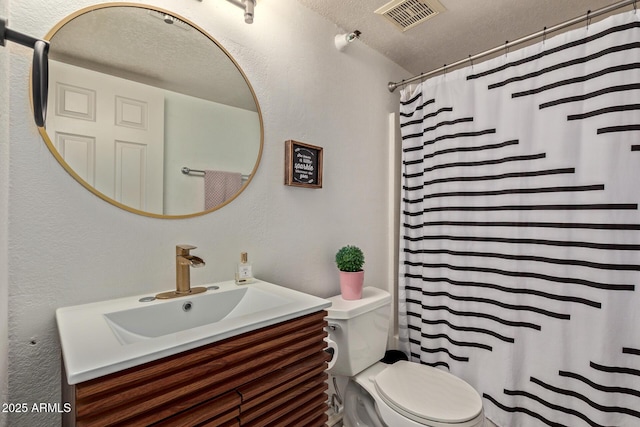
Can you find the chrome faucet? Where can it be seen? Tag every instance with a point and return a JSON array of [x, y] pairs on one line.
[[184, 262]]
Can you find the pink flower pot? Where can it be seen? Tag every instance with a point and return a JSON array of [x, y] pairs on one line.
[[351, 284]]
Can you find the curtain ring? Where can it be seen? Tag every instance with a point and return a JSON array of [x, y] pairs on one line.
[[444, 70], [635, 6], [471, 61], [588, 18], [544, 35], [506, 48]]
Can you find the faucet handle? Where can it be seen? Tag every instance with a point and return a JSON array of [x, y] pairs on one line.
[[184, 249]]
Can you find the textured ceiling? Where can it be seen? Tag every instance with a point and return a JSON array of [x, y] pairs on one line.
[[466, 28]]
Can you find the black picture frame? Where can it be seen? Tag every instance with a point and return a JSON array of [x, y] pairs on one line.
[[302, 164]]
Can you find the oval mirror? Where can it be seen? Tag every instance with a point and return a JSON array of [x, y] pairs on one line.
[[149, 112]]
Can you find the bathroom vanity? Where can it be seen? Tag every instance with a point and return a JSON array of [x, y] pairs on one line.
[[266, 375]]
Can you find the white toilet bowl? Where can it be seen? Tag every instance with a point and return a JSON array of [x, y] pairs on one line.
[[411, 395], [403, 394]]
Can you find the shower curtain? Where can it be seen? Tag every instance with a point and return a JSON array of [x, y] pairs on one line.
[[520, 234]]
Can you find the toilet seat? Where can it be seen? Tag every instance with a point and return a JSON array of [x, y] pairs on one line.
[[427, 395]]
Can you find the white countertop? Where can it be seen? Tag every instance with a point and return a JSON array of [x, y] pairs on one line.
[[91, 349]]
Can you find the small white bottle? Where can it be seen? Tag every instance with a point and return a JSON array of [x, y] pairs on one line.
[[244, 273]]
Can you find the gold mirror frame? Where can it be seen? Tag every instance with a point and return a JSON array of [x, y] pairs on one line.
[[51, 146]]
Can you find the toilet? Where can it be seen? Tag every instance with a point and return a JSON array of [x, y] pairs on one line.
[[402, 394]]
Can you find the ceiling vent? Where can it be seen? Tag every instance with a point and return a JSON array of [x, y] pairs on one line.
[[406, 14]]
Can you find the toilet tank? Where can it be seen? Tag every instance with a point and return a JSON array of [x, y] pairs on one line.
[[360, 329]]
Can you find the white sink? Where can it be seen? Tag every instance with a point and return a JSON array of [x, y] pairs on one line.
[[180, 314], [105, 337]]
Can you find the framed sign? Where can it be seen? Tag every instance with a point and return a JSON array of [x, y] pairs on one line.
[[302, 164]]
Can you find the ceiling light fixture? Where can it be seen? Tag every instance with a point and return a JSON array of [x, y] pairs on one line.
[[343, 40], [168, 19], [248, 6]]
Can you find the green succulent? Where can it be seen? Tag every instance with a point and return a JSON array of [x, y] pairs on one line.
[[350, 258]]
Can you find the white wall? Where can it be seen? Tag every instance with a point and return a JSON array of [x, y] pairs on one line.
[[4, 194], [203, 135], [66, 246]]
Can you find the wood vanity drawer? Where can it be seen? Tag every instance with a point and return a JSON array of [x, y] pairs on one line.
[[288, 409], [216, 380], [292, 390], [217, 411]]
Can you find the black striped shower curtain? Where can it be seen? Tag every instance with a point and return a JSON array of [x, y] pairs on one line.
[[520, 234]]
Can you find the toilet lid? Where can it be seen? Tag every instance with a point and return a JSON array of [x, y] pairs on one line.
[[423, 393]]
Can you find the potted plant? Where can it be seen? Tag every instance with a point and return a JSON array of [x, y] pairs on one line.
[[350, 260]]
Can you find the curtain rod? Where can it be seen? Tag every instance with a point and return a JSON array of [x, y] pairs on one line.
[[392, 86]]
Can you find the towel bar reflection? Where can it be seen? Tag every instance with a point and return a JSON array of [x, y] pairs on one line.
[[189, 171]]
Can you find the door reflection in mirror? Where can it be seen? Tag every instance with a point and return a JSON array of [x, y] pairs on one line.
[[133, 99]]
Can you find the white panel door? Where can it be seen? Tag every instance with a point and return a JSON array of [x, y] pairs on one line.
[[111, 132], [79, 152]]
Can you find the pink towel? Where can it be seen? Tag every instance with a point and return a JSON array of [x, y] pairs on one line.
[[220, 186]]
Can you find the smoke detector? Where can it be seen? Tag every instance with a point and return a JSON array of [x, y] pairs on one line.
[[406, 14]]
